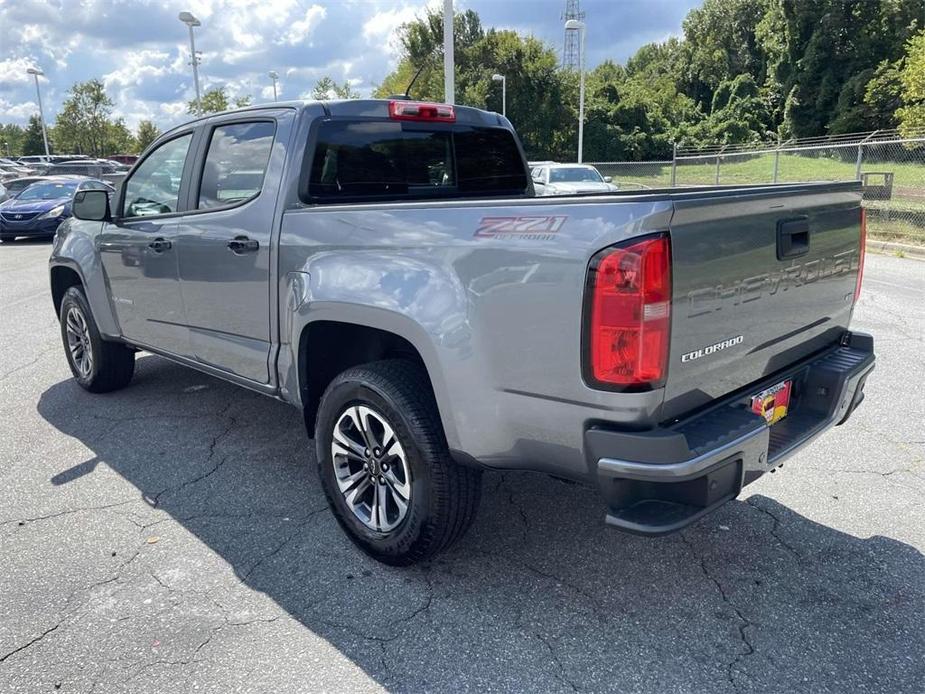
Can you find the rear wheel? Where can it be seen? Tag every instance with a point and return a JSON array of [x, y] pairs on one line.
[[98, 365], [385, 467]]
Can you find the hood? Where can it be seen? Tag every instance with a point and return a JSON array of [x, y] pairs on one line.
[[33, 206], [568, 187]]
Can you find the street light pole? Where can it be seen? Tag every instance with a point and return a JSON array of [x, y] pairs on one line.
[[449, 60], [503, 80], [580, 26], [35, 72], [190, 21], [274, 75]]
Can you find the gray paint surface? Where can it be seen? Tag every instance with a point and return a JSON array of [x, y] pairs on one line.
[[495, 312]]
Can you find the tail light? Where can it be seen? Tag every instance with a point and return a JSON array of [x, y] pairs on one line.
[[857, 287], [419, 110], [628, 314]]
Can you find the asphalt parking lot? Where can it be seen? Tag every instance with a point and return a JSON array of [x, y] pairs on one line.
[[172, 537]]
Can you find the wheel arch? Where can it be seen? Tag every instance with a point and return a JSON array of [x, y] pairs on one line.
[[63, 277], [328, 347]]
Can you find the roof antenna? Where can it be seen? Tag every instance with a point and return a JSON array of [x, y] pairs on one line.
[[414, 79]]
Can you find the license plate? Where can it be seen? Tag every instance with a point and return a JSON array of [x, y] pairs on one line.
[[772, 404]]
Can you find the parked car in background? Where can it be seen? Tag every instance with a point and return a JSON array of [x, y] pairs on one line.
[[126, 159], [103, 169], [38, 209], [4, 192], [11, 165], [569, 179], [87, 167], [7, 173], [15, 186]]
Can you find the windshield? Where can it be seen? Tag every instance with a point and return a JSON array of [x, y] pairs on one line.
[[574, 174], [48, 191]]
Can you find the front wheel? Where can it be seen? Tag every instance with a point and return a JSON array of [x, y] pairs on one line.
[[385, 467], [98, 365]]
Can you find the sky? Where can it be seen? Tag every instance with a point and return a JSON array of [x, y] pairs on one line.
[[140, 49]]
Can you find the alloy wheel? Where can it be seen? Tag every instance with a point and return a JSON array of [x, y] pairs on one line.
[[371, 468], [78, 341]]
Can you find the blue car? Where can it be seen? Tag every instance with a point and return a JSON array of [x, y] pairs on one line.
[[38, 209]]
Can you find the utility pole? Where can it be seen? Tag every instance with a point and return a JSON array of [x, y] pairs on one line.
[[35, 72], [503, 80], [449, 60], [579, 26], [190, 21]]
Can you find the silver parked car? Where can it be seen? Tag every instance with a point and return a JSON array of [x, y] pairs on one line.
[[569, 179]]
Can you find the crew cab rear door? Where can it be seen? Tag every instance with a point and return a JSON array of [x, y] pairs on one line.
[[761, 279], [224, 241]]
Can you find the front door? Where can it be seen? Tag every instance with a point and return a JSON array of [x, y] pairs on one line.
[[139, 253], [224, 249]]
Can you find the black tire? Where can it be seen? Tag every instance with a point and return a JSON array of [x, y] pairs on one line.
[[112, 363], [444, 495]]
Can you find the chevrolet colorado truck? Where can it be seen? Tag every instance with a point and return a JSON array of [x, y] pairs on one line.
[[386, 267]]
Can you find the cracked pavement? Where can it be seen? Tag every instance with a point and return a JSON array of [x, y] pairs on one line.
[[173, 537]]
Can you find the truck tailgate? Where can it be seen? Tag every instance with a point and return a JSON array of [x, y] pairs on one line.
[[761, 279]]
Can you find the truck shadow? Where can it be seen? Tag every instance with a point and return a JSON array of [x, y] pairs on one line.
[[540, 596]]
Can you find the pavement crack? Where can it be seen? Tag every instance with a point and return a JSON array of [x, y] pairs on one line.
[[232, 423], [411, 616], [774, 529], [548, 576], [279, 547], [748, 647], [19, 368], [58, 514], [29, 643]]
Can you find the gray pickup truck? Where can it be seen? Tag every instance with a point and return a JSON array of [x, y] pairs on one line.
[[386, 267]]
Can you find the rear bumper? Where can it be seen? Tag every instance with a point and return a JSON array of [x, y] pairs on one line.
[[659, 481]]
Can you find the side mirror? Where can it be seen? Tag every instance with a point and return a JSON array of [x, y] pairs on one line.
[[92, 205], [608, 179]]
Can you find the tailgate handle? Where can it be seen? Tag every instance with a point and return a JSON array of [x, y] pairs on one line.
[[792, 238]]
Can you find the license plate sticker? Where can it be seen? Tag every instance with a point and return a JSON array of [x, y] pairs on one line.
[[773, 403]]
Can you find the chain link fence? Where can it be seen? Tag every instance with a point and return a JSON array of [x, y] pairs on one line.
[[890, 167]]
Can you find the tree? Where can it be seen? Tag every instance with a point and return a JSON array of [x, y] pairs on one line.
[[215, 100], [912, 113], [32, 141], [816, 51], [326, 88], [11, 139], [883, 95], [119, 139], [146, 134], [83, 125]]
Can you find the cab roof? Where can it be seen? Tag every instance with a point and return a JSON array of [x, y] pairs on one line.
[[357, 108]]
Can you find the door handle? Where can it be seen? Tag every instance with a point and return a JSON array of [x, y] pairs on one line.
[[792, 238], [159, 245], [242, 244]]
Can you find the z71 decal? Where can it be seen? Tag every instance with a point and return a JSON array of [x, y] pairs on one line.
[[529, 227]]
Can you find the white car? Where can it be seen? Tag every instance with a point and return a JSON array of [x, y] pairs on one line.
[[567, 179]]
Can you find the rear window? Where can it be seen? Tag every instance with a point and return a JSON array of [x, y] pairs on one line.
[[375, 160]]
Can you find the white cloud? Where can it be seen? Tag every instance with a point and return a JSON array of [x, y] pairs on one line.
[[303, 28], [382, 28], [13, 71], [19, 112]]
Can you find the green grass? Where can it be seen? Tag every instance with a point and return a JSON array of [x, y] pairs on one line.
[[908, 199], [792, 168]]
